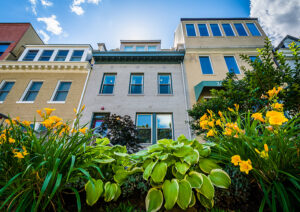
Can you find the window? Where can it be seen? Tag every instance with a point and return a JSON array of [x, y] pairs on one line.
[[140, 48], [253, 58], [136, 84], [4, 90], [151, 48], [62, 91], [46, 55], [3, 47], [205, 65], [128, 48], [190, 30], [32, 91], [164, 86], [203, 30], [98, 119], [164, 126], [215, 30], [240, 29], [228, 30], [144, 127], [108, 83], [231, 65], [30, 55], [61, 55], [253, 29], [77, 55]]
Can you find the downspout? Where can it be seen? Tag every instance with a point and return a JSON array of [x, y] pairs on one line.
[[83, 91], [185, 99]]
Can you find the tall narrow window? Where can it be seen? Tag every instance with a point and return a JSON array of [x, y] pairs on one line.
[[5, 89], [140, 48], [32, 91], [164, 81], [164, 126], [77, 55], [128, 48], [136, 84], [108, 84], [240, 29], [151, 48], [203, 30], [253, 29], [3, 47], [61, 55], [98, 119], [215, 30], [144, 127], [46, 55], [228, 30], [62, 91], [190, 30], [30, 55], [205, 65], [232, 65]]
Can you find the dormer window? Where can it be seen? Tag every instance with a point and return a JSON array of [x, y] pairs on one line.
[[3, 47], [128, 48], [30, 55], [77, 55], [140, 48], [152, 48], [46, 55], [61, 55]]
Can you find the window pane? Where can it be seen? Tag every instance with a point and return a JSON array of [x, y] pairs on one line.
[[215, 29], [164, 121], [78, 53], [144, 135], [190, 29], [109, 79], [61, 55], [4, 46], [140, 48], [144, 121], [240, 29], [228, 30], [164, 79], [7, 86], [253, 58], [136, 89], [60, 96], [231, 65], [30, 96], [165, 89], [205, 65], [252, 28], [108, 89], [30, 55], [203, 30], [128, 48], [3, 95], [35, 86], [136, 79], [64, 86], [164, 134], [151, 48]]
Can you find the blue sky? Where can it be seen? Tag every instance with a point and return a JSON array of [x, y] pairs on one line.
[[108, 21]]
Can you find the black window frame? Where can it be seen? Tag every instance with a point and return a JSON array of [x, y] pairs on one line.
[[104, 84]]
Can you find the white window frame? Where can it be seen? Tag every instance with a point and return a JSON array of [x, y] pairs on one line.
[[212, 67], [235, 62], [2, 84], [102, 84], [219, 29], [72, 52], [42, 51], [26, 52], [194, 29], [55, 90], [158, 82], [136, 121], [231, 29], [209, 34], [143, 85], [26, 90], [156, 122]]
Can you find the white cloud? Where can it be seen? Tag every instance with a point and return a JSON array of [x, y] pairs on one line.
[[46, 3], [46, 37], [52, 25], [77, 8], [277, 17], [33, 6]]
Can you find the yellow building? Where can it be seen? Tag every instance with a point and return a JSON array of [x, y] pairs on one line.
[[212, 49], [45, 76]]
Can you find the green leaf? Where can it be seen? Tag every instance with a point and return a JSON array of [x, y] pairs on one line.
[[208, 203], [193, 200], [219, 178], [155, 148], [111, 190], [154, 200], [159, 172], [206, 165], [183, 139], [207, 188], [195, 179], [148, 170], [182, 167], [185, 194], [102, 141], [205, 152], [118, 192], [170, 190], [93, 191], [177, 174], [192, 158], [183, 151], [165, 141], [104, 160]]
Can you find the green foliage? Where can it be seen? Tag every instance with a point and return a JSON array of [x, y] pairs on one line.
[[135, 184], [263, 75]]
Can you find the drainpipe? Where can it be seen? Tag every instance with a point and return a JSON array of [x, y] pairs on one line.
[[83, 91], [185, 99]]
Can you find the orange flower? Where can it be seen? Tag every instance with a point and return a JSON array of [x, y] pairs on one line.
[[218, 122], [230, 109], [236, 159], [276, 118], [236, 107], [204, 117], [82, 108], [220, 114], [83, 130], [245, 166], [277, 106], [40, 113], [26, 123], [49, 111], [210, 133], [258, 116]]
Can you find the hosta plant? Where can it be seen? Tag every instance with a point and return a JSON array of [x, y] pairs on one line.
[[180, 172]]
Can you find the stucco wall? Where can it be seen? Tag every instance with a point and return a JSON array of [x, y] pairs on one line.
[[123, 103]]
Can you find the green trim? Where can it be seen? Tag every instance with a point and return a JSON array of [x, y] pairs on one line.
[[154, 128], [199, 87]]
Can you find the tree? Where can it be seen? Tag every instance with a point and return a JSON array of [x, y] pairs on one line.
[[122, 131], [263, 75]]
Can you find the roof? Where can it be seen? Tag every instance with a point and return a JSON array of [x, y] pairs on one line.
[[122, 57], [286, 37], [215, 19], [140, 41]]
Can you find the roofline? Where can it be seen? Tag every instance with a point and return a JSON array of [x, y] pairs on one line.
[[215, 19], [287, 36], [140, 41], [58, 45], [15, 23]]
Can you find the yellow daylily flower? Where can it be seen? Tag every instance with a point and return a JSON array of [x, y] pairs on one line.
[[236, 159], [83, 130], [257, 116], [246, 166], [276, 118], [210, 133], [49, 111]]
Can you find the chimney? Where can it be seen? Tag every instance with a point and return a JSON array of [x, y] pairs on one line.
[[102, 47]]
